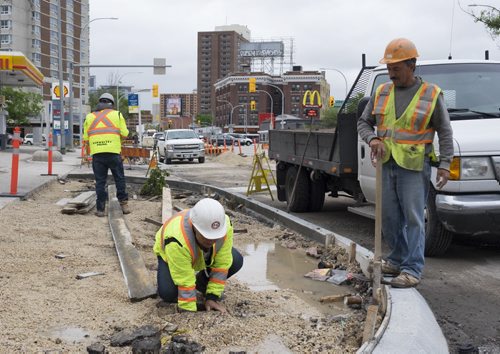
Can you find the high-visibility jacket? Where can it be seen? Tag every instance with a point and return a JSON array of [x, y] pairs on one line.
[[103, 129], [176, 245], [405, 137]]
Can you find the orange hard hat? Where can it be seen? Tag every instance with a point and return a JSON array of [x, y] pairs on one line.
[[399, 49]]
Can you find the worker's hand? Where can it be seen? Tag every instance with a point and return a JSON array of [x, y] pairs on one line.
[[214, 305], [378, 148], [442, 177]]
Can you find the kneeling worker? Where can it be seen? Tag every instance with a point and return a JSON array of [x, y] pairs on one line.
[[199, 240]]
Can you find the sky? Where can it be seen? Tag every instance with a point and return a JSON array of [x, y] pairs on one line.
[[327, 34]]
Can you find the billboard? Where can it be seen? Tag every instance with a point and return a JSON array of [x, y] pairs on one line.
[[174, 107], [261, 49]]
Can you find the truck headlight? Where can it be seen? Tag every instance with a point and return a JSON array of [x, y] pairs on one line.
[[170, 147], [202, 146], [476, 168]]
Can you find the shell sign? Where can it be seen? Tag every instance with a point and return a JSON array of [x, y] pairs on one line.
[[56, 91]]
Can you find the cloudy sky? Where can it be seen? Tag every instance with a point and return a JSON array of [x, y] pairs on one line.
[[327, 33]]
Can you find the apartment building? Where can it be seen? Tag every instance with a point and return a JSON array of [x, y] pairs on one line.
[[32, 27], [188, 101], [217, 58]]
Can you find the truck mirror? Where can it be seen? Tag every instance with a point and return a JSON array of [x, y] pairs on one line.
[[361, 106]]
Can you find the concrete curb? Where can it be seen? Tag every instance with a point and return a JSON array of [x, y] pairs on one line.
[[409, 325]]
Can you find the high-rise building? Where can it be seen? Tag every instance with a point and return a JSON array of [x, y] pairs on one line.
[[217, 58], [32, 27], [189, 104]]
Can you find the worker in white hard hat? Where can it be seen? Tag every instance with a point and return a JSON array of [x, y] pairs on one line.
[[195, 253], [407, 113], [103, 130]]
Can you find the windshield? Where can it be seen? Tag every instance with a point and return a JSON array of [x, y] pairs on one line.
[[183, 134], [473, 87]]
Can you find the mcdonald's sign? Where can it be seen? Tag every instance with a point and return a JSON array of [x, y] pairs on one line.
[[311, 103]]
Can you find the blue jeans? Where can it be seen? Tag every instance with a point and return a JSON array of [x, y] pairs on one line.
[[168, 290], [404, 194], [100, 165]]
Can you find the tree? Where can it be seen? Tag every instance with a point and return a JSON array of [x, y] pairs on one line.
[[21, 105], [329, 117], [94, 99], [204, 120], [489, 16]]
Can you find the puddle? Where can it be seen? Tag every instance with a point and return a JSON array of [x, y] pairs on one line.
[[270, 266], [71, 334]]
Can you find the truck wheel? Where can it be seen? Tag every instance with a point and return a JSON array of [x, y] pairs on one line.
[[299, 202], [248, 143], [317, 197], [190, 159], [201, 159], [281, 181], [437, 238], [168, 161]]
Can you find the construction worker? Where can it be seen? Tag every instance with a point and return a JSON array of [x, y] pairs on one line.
[[103, 130], [407, 112], [195, 253]]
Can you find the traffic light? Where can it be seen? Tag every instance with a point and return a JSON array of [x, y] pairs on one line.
[[331, 101], [253, 105], [252, 84], [155, 90]]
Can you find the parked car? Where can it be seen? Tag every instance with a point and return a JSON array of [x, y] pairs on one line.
[[180, 144], [220, 139], [28, 139], [242, 138]]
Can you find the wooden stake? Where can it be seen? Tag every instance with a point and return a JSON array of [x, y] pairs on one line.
[[370, 322]]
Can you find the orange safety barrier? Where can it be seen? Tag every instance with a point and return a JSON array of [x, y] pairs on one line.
[[254, 146], [239, 147], [225, 147], [15, 160], [135, 152], [232, 147]]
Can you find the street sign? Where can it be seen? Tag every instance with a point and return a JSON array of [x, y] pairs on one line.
[[133, 103], [159, 66]]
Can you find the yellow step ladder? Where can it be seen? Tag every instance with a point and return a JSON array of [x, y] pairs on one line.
[[261, 177]]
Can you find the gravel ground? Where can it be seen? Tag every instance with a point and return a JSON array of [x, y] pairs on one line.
[[45, 308]]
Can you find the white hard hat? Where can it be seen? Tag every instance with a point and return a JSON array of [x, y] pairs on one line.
[[107, 96], [209, 218]]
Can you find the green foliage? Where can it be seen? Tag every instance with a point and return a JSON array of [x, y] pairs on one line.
[[490, 17], [155, 183], [352, 104], [329, 118], [204, 119], [21, 105]]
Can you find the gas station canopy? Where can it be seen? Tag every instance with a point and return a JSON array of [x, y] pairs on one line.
[[17, 70]]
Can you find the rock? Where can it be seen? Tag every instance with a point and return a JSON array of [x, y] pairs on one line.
[[146, 346], [96, 348], [42, 155], [312, 252], [127, 336], [181, 344], [170, 327]]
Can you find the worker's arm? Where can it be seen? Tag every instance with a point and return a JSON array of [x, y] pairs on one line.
[[123, 126], [366, 130], [441, 122], [182, 273], [219, 269]]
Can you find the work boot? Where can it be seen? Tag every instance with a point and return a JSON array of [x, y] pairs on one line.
[[387, 269], [99, 213], [404, 280], [125, 207]]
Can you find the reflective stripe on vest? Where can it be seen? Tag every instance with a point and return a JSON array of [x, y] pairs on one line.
[[218, 275], [186, 294], [109, 127], [416, 131]]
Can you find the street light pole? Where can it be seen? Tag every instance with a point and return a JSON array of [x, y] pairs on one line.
[[282, 98], [345, 79], [272, 110], [80, 61]]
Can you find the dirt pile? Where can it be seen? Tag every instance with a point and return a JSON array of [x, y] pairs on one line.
[[45, 307]]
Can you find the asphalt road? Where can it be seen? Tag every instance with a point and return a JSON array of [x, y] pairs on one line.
[[462, 287]]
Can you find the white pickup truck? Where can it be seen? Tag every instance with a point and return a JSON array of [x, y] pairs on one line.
[[339, 161], [180, 144]]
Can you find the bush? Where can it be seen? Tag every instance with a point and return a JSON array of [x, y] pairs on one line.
[[155, 183]]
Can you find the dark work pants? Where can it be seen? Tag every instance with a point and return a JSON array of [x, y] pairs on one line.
[[100, 165], [168, 290]]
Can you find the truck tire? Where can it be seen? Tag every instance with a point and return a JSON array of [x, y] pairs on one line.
[[437, 238], [160, 158], [300, 201], [201, 159], [317, 195], [281, 181], [168, 161]]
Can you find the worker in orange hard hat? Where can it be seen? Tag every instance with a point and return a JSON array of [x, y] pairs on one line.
[[407, 113]]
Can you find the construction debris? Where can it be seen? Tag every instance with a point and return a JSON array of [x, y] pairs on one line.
[[88, 275], [333, 298], [81, 204]]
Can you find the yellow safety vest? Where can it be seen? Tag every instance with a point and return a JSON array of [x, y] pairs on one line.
[[405, 137], [103, 130], [176, 245]]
